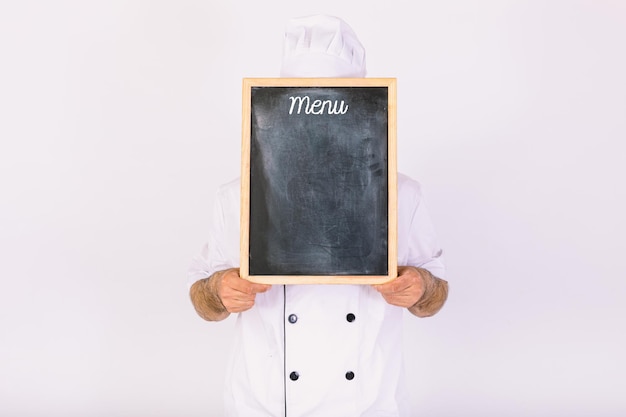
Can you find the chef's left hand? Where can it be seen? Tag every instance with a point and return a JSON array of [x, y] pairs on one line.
[[406, 289]]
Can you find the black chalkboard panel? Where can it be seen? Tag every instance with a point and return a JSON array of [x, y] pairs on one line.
[[318, 181]]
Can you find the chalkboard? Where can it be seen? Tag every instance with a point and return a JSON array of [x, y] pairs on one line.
[[319, 180]]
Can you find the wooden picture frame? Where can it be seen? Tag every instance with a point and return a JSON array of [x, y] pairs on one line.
[[319, 181]]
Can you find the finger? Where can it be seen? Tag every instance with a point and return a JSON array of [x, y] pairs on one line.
[[399, 284], [404, 299], [259, 288], [384, 289], [233, 281], [407, 270], [403, 284], [235, 301], [409, 277], [240, 306], [243, 285], [236, 295], [404, 295]]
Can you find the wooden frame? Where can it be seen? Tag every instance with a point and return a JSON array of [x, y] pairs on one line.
[[271, 255]]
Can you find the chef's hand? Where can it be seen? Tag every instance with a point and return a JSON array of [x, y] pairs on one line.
[[237, 294], [405, 290], [224, 292], [416, 289]]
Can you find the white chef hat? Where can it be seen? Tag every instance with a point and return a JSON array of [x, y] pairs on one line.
[[321, 46]]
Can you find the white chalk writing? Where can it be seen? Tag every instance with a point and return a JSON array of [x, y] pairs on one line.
[[308, 106]]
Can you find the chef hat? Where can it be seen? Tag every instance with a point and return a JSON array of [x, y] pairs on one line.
[[321, 46]]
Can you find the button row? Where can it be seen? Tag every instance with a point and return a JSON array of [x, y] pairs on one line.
[[293, 318], [294, 376]]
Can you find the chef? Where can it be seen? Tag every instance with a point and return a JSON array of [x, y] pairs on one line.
[[318, 350]]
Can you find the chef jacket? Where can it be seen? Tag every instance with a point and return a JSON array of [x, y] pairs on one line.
[[318, 350]]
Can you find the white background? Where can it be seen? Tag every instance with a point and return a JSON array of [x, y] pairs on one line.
[[118, 120]]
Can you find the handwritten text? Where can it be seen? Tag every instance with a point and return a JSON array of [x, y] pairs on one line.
[[305, 105]]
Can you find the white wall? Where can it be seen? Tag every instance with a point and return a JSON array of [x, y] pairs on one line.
[[118, 119]]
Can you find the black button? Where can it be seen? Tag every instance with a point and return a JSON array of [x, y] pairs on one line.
[[350, 317], [349, 375], [293, 318], [294, 376]]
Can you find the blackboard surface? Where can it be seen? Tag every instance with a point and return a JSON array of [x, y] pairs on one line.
[[317, 190]]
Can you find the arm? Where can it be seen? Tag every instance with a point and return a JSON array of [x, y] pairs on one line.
[[419, 286], [416, 289], [224, 292]]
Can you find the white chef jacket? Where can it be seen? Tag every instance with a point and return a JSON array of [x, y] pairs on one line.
[[318, 350]]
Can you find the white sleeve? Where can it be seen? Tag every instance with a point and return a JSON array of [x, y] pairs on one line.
[[418, 243], [222, 248], [424, 248]]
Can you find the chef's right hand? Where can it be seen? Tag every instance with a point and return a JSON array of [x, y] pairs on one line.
[[238, 294]]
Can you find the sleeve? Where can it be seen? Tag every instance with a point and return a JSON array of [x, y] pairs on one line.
[[423, 248], [221, 249]]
